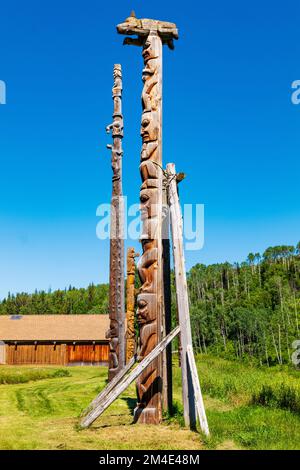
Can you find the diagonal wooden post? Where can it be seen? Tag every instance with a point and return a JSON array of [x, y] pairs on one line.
[[90, 415], [191, 392]]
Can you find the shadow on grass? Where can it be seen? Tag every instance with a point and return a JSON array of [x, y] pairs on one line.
[[131, 403]]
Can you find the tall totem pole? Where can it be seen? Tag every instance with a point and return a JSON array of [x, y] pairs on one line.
[[116, 332], [151, 35]]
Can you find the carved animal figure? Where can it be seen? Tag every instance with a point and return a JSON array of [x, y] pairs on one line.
[[142, 28]]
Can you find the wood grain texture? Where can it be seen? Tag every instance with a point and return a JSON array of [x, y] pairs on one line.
[[36, 354], [197, 391], [151, 35], [191, 392], [116, 332], [88, 353], [59, 354], [150, 297], [130, 301], [167, 392]]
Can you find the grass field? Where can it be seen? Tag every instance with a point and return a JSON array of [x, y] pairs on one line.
[[247, 408]]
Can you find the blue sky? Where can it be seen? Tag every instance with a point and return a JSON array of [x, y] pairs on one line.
[[229, 124]]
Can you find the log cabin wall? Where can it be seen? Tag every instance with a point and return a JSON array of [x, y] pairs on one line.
[[36, 354], [87, 354], [59, 354], [2, 353]]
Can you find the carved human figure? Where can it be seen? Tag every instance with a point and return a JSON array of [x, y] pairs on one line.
[[113, 336], [149, 126], [147, 266], [149, 213], [147, 320]]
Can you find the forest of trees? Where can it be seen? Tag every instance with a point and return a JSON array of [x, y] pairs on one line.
[[248, 309], [92, 300], [237, 310]]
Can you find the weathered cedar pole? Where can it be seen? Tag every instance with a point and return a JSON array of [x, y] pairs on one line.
[[191, 392], [167, 394], [116, 333], [151, 35], [130, 301]]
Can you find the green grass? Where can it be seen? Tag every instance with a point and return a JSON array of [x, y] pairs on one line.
[[247, 408], [236, 411], [18, 375]]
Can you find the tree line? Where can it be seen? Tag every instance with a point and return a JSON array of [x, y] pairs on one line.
[[90, 300], [248, 309], [242, 310]]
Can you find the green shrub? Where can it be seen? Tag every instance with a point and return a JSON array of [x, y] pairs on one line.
[[284, 397], [61, 373]]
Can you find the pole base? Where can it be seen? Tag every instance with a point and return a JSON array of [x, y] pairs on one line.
[[146, 415]]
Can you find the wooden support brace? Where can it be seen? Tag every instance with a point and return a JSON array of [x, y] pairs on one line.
[[113, 394], [191, 392], [197, 391]]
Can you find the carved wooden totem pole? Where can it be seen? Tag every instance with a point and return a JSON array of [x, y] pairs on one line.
[[116, 332], [130, 291], [158, 194], [151, 35]]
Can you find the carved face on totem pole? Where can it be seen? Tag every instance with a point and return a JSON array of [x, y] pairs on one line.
[[149, 203], [113, 335], [117, 74], [146, 311], [148, 50], [149, 127], [149, 212], [117, 128]]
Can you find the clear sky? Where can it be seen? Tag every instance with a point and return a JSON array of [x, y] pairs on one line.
[[229, 124]]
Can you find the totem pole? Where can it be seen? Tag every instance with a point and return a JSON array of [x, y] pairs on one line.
[[130, 291], [116, 332], [151, 35]]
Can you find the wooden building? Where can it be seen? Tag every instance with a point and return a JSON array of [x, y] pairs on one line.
[[54, 339]]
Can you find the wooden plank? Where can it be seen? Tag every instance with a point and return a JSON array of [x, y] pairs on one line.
[[190, 389], [167, 392], [188, 398], [197, 390], [40, 354], [127, 380]]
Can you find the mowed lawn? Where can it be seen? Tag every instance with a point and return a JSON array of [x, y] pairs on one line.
[[247, 408]]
